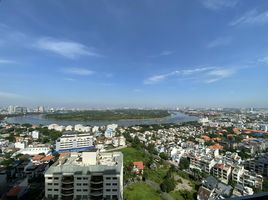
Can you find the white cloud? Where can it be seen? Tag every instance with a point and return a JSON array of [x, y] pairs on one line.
[[137, 90], [8, 95], [218, 4], [252, 17], [69, 79], [218, 74], [221, 41], [67, 49], [6, 61], [163, 53], [166, 53], [263, 60], [77, 71], [204, 74]]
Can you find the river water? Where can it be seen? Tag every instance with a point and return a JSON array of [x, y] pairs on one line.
[[37, 119]]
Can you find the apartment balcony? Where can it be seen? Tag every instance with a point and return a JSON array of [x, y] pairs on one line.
[[96, 193], [67, 193], [67, 186], [96, 189], [67, 180], [96, 179], [96, 185]]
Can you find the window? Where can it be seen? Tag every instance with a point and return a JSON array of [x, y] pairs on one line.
[[56, 178], [85, 178], [85, 190], [79, 184], [49, 178], [114, 190], [108, 190], [84, 183], [56, 189], [56, 183], [114, 178], [114, 197], [78, 190], [108, 178], [49, 189], [108, 183], [114, 183], [78, 178], [49, 184]]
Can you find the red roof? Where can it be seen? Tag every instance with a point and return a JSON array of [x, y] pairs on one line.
[[13, 192], [221, 166], [216, 146], [139, 165], [38, 157], [47, 158]]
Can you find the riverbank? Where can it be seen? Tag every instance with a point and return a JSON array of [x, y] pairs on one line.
[[37, 119]]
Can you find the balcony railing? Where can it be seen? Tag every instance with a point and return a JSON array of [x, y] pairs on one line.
[[96, 193], [67, 192], [67, 180], [67, 187]]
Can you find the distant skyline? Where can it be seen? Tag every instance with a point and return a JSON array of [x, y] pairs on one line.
[[142, 53]]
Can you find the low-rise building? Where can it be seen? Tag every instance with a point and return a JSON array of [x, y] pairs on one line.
[[74, 142]]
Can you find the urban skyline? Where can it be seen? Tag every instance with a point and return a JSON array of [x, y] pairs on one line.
[[203, 53]]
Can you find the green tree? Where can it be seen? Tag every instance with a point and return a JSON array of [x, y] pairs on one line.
[[184, 163], [168, 184], [136, 141], [163, 155]]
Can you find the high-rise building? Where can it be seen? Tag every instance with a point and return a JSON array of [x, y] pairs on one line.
[[40, 109], [86, 175], [10, 109]]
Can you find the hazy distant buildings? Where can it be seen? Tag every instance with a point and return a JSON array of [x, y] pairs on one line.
[[16, 110], [40, 109]]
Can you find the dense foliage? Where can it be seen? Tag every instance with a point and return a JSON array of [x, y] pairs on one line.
[[110, 114]]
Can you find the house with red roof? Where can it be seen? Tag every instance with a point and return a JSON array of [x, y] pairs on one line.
[[138, 167]]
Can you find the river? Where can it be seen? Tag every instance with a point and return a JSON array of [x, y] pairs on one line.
[[37, 119]]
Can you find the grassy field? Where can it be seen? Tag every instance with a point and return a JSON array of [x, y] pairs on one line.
[[182, 195], [140, 191], [131, 154], [158, 174]]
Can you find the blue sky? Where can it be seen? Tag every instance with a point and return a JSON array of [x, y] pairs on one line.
[[142, 53]]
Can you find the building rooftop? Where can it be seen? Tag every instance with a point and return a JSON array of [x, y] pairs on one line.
[[87, 162]]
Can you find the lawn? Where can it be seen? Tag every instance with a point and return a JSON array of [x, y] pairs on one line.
[[131, 154], [141, 191], [182, 195], [158, 174]]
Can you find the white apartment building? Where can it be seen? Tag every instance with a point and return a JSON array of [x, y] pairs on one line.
[[110, 130], [69, 128], [21, 145], [33, 150], [259, 164], [202, 163], [74, 142], [56, 127], [246, 178], [35, 134], [222, 172], [81, 128], [86, 175]]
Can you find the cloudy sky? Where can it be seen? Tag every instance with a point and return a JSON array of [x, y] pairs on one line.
[[87, 53]]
